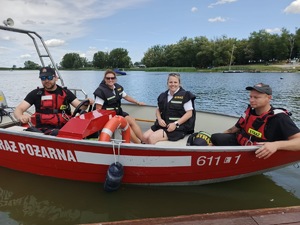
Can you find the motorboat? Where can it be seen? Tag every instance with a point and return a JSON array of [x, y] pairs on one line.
[[74, 155]]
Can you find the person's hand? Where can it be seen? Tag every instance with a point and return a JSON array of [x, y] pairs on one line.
[[91, 101], [140, 103], [266, 150], [24, 118], [171, 127], [161, 123]]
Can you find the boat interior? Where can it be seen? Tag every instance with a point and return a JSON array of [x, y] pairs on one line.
[[94, 122]]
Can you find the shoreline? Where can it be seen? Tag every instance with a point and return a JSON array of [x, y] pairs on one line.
[[255, 68], [271, 216]]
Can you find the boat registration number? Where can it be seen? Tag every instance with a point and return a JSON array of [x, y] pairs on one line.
[[217, 160]]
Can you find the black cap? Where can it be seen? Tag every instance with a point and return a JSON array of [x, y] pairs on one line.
[[262, 88], [47, 71]]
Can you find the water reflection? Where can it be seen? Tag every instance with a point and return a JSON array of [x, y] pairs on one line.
[[31, 199]]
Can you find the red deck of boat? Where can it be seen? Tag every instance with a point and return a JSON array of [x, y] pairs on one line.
[[270, 216]]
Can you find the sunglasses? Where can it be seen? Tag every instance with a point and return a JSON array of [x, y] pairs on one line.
[[110, 78], [174, 75], [49, 77]]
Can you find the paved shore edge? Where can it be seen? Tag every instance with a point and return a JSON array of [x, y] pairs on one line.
[[282, 215]]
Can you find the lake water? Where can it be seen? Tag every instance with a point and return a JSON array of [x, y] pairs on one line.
[[33, 200]]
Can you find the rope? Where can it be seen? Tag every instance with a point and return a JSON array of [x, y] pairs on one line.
[[118, 142]]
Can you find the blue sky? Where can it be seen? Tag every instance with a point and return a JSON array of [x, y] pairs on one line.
[[89, 26]]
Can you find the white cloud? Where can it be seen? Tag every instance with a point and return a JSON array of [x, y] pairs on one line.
[[25, 56], [216, 19], [294, 7], [273, 30], [3, 49], [7, 38], [194, 9], [221, 2], [54, 42]]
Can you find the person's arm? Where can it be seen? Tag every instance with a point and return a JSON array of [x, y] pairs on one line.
[[269, 148], [232, 130], [99, 102], [183, 119], [132, 100], [98, 106], [160, 121], [19, 112], [76, 102]]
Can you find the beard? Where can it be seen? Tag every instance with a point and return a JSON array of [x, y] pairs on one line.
[[49, 86]]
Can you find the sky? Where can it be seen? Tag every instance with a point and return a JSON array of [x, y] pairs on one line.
[[88, 26]]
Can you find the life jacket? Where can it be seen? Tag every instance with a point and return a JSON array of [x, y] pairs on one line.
[[253, 127], [112, 101], [173, 110], [54, 109]]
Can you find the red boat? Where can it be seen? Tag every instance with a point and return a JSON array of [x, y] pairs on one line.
[[73, 155]]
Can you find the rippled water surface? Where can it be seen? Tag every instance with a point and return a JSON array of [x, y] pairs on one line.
[[217, 92], [33, 200]]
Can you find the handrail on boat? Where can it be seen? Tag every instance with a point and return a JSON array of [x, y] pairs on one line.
[[32, 35], [78, 90]]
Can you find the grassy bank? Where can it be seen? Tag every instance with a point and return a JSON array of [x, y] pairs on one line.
[[292, 68], [246, 68]]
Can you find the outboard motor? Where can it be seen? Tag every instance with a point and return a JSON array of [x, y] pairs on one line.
[[3, 103]]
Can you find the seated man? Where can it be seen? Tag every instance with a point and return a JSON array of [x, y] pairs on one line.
[[52, 104], [262, 124]]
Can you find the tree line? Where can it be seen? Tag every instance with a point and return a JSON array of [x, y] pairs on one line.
[[199, 52]]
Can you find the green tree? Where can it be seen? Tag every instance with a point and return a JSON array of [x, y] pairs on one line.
[[31, 65], [155, 56], [297, 44], [100, 60], [186, 50], [118, 58], [72, 61], [205, 57], [85, 62], [287, 44]]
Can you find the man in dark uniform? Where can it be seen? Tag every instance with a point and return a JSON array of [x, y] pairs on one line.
[[52, 104], [262, 124]]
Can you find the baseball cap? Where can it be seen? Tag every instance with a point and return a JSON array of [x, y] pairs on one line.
[[47, 71], [262, 88]]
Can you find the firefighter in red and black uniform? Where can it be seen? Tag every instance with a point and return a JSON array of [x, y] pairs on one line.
[[262, 124], [52, 104]]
